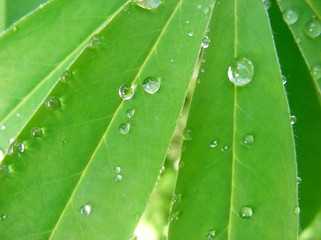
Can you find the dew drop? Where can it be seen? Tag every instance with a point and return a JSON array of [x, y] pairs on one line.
[[126, 92], [176, 198], [206, 42], [95, 41], [124, 128], [16, 147], [172, 60], [148, 4], [284, 81], [241, 71], [188, 134], [190, 33], [202, 70], [214, 144], [224, 149], [211, 234], [37, 132], [248, 140], [316, 72], [117, 169], [85, 210], [267, 4], [2, 127], [118, 178], [52, 103], [187, 21], [298, 180], [297, 210], [13, 28], [174, 216], [18, 114], [3, 217], [313, 29], [130, 113], [199, 6], [290, 16], [206, 10], [66, 76], [151, 85], [293, 119], [246, 212]]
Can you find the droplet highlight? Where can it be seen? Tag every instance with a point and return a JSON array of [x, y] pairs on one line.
[[66, 76], [37, 132], [118, 178], [16, 147], [214, 144], [293, 119], [95, 42], [246, 212], [206, 42], [52, 103], [267, 4], [117, 169], [130, 113], [85, 210], [126, 92], [316, 72], [211, 234], [290, 16], [248, 140], [124, 128], [151, 85], [312, 29], [241, 72], [148, 4], [188, 134]]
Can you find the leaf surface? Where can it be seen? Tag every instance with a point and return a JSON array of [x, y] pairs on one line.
[[218, 182]]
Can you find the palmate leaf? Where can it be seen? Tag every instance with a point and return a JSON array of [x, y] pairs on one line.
[[238, 179], [304, 20], [71, 174], [30, 65]]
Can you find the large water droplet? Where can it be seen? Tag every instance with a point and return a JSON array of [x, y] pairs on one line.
[[241, 71], [316, 72], [130, 113], [148, 4], [248, 140], [118, 178], [290, 16], [214, 144], [206, 42], [293, 119], [95, 41], [246, 212], [188, 134], [313, 29], [126, 92], [66, 76], [16, 147], [124, 128], [37, 132], [211, 234], [85, 210], [151, 85], [52, 103]]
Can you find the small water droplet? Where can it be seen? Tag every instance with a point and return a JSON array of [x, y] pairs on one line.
[[172, 60], [130, 113], [206, 42], [37, 132], [176, 198], [199, 6], [2, 127], [313, 28], [148, 4], [284, 81], [124, 128], [85, 210], [206, 10], [126, 92], [246, 212], [290, 16], [3, 217], [188, 134], [151, 85], [203, 60], [18, 114], [16, 147], [198, 81], [267, 4], [13, 28], [293, 119], [118, 178], [214, 144], [117, 169], [174, 216], [95, 41], [297, 210], [298, 180], [316, 72], [52, 103], [162, 170], [66, 76], [248, 140], [211, 234], [224, 149], [187, 21], [190, 33], [241, 71]]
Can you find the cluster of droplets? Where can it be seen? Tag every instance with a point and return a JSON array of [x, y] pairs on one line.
[[17, 147], [118, 176], [95, 42], [211, 234]]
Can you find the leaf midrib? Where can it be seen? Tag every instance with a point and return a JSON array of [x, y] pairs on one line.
[[153, 49]]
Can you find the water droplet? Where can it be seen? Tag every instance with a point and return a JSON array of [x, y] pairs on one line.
[[293, 119], [187, 21], [162, 170], [130, 113], [13, 28], [18, 114], [95, 41], [126, 92], [206, 42], [172, 60], [16, 147], [267, 4], [224, 149], [52, 103], [118, 178], [206, 10], [199, 6], [188, 134], [66, 76], [174, 216], [313, 28], [241, 71], [246, 212], [148, 4], [284, 81], [298, 180], [202, 70], [37, 132], [2, 127], [211, 234], [85, 210], [297, 210], [316, 72], [117, 169], [151, 85], [63, 142], [214, 144], [190, 33], [248, 140], [176, 198], [124, 128], [3, 217], [290, 16]]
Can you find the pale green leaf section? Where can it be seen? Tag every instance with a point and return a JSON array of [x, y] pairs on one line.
[[216, 182], [307, 10], [2, 14], [313, 231], [73, 164]]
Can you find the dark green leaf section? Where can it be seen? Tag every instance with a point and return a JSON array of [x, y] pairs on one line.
[[217, 182], [72, 164], [35, 52], [304, 102], [309, 42]]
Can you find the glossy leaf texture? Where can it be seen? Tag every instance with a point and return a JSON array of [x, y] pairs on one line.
[[30, 64], [81, 167], [238, 179], [304, 20], [304, 100]]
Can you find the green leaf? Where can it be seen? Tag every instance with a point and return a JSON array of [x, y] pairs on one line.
[[304, 20], [66, 170], [251, 169], [313, 231], [29, 62], [304, 101]]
